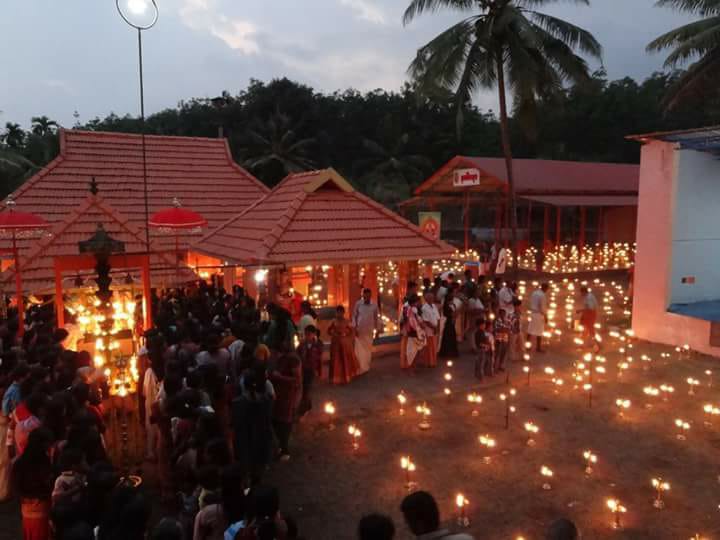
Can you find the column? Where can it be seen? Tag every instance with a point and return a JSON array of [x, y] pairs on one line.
[[354, 287], [558, 225], [600, 225], [583, 217], [466, 219], [546, 228], [403, 274], [371, 281]]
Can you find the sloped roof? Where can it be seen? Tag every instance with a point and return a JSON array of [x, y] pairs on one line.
[[200, 172], [37, 263], [541, 176], [315, 218]]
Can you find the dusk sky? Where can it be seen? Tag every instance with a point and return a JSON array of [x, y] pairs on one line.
[[63, 56]]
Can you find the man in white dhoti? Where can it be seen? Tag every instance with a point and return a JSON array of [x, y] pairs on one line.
[[538, 315], [501, 262], [365, 321]]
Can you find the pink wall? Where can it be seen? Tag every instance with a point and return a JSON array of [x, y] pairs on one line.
[[619, 224], [651, 321]]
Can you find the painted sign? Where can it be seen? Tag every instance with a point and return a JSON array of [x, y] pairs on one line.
[[429, 223], [466, 178]]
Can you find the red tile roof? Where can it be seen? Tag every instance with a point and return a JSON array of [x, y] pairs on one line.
[[315, 218], [542, 177], [200, 172], [79, 224]]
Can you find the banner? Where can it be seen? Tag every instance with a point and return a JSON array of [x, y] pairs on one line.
[[429, 223], [466, 178]]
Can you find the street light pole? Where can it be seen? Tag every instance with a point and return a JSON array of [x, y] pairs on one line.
[[138, 8]]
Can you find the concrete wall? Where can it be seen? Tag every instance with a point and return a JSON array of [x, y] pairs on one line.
[[696, 228], [620, 224], [651, 321]]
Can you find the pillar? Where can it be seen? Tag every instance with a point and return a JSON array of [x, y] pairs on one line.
[[402, 284], [466, 220], [59, 302], [600, 225], [546, 228], [147, 293], [228, 278], [529, 224], [558, 225], [498, 222], [331, 287], [354, 286], [506, 225], [371, 281], [249, 284], [583, 217]]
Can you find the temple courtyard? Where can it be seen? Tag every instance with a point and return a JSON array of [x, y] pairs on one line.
[[328, 486]]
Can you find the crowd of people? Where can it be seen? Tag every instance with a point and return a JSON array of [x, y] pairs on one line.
[[222, 385]]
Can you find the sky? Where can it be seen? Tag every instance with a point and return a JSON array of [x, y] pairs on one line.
[[62, 56]]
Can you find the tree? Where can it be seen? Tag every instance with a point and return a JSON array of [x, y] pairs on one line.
[[42, 126], [503, 43], [14, 136], [698, 40], [275, 147], [392, 171]]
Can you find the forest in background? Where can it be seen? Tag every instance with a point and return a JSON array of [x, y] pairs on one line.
[[385, 143]]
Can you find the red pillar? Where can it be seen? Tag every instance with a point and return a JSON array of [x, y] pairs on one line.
[[546, 228], [498, 222], [59, 303], [466, 220], [403, 273], [354, 287], [506, 224], [583, 217], [529, 222], [558, 220], [147, 303], [600, 225], [18, 289]]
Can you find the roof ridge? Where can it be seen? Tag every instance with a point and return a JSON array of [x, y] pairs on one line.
[[401, 220], [276, 232], [128, 135], [264, 188]]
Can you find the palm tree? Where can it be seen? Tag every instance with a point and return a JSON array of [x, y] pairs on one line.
[[42, 126], [14, 136], [275, 143], [699, 40], [502, 43], [389, 171]]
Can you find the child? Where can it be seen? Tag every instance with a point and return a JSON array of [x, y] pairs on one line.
[[71, 483], [483, 345], [310, 351], [502, 339], [287, 380], [516, 338]]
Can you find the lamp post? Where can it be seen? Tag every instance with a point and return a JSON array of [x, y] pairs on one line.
[[135, 13]]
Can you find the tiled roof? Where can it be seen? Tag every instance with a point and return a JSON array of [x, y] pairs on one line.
[[37, 263], [542, 176], [200, 172], [316, 218]]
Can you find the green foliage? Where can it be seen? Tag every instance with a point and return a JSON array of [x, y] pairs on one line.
[[698, 43], [386, 143]]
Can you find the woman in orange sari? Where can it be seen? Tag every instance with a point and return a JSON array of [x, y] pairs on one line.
[[32, 480], [343, 364]]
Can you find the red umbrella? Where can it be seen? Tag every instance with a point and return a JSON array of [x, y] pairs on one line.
[[175, 219], [18, 225]]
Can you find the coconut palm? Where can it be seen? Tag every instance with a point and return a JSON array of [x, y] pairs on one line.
[[698, 41], [14, 135], [503, 43], [275, 143], [42, 126], [391, 170]]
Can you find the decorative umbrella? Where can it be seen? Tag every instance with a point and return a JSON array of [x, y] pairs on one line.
[[15, 224], [175, 219]]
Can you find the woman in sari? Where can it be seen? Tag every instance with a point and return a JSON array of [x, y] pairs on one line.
[[33, 480], [449, 346], [343, 364]]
